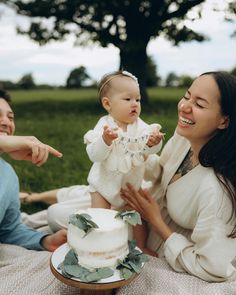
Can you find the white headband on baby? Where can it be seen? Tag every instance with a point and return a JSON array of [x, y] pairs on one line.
[[125, 73]]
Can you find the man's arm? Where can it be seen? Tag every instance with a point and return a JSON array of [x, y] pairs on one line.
[[27, 148]]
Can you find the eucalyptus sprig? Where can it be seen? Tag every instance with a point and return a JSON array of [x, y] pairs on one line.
[[131, 217], [70, 268], [83, 221], [128, 267], [133, 262]]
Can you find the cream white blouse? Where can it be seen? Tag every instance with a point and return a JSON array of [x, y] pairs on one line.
[[197, 209], [121, 162]]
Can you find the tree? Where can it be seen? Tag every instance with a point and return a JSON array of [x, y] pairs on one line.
[[128, 25], [152, 78], [230, 13], [77, 78], [233, 72], [172, 80], [185, 81], [27, 82], [9, 85]]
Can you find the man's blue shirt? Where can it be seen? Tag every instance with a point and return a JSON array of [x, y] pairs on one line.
[[12, 231]]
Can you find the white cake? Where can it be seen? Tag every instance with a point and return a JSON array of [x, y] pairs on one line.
[[103, 246]]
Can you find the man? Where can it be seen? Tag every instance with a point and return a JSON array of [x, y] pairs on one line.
[[29, 148]]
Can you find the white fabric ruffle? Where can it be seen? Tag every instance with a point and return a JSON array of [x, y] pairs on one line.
[[129, 149]]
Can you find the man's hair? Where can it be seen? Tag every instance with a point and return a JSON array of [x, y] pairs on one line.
[[5, 95]]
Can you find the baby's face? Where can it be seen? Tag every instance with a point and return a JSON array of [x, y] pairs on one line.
[[124, 100]]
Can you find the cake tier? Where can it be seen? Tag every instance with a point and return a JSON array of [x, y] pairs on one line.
[[103, 246]]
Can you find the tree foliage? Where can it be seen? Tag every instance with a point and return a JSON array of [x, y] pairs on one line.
[[233, 72], [185, 81], [172, 80], [77, 78], [128, 25], [230, 14], [26, 82]]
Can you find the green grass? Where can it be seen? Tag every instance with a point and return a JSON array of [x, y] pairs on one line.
[[61, 118], [22, 96]]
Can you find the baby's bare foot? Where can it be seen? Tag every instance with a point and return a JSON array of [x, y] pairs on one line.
[[24, 197]]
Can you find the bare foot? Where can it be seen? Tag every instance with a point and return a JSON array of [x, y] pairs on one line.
[[28, 197], [47, 197], [24, 197]]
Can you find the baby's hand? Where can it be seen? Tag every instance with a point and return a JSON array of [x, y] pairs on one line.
[[154, 138], [109, 134]]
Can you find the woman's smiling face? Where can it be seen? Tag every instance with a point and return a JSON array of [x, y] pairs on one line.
[[199, 111]]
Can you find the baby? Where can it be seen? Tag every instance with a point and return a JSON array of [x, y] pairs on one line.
[[119, 145]]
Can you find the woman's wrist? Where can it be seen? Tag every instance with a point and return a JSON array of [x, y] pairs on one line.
[[162, 229]]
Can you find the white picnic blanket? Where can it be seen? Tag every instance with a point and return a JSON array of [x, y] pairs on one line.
[[24, 272], [158, 278]]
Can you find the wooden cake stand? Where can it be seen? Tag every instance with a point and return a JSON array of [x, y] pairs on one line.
[[91, 288], [108, 288]]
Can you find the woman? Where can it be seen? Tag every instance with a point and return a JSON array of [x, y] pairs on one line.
[[196, 184]]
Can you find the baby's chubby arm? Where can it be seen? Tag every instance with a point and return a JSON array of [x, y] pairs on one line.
[[97, 141], [109, 134]]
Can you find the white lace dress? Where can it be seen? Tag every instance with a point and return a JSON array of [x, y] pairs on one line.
[[121, 162]]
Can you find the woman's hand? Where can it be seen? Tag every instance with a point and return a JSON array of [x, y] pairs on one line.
[[142, 202], [27, 148], [52, 242], [148, 208]]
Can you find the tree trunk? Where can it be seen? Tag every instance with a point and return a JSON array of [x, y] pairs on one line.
[[134, 60]]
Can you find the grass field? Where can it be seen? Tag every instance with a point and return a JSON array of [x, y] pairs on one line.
[[61, 118]]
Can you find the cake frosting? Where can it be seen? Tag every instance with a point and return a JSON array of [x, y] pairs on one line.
[[102, 246]]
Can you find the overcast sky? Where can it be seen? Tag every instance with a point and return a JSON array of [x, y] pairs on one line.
[[52, 63]]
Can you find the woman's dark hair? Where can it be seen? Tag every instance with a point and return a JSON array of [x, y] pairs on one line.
[[220, 151]]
